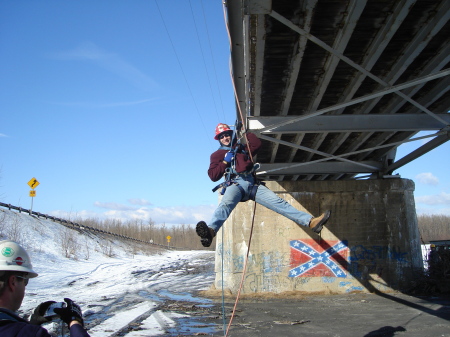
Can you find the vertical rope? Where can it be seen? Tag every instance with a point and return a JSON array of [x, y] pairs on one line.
[[224, 319], [251, 158], [232, 79], [242, 117], [244, 270]]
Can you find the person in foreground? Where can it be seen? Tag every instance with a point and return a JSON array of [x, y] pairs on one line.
[[234, 160], [15, 271]]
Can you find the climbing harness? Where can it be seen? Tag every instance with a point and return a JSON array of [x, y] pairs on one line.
[[253, 188]]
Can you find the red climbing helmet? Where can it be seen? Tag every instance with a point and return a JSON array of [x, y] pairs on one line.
[[220, 128]]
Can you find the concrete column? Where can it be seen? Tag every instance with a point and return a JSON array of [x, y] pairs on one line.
[[371, 242]]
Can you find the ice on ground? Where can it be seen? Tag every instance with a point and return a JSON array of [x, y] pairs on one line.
[[112, 291], [156, 324], [115, 322]]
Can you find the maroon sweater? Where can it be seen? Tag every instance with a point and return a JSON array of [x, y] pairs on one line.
[[243, 161]]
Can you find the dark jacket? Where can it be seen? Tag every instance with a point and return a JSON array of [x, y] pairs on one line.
[[12, 325], [243, 161]]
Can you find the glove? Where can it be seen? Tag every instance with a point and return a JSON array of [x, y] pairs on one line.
[[70, 313], [37, 317], [229, 156]]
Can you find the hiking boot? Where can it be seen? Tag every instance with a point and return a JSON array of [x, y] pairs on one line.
[[316, 224], [206, 233]]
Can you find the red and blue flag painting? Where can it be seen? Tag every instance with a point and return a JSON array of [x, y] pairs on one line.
[[311, 258]]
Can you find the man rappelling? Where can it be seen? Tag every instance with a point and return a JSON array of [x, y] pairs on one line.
[[234, 161]]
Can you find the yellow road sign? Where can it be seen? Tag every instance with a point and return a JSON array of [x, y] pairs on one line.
[[168, 238], [32, 193], [33, 183]]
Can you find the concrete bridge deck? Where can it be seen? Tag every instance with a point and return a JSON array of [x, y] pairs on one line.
[[334, 87]]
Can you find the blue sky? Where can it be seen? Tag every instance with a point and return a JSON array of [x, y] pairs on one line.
[[112, 106]]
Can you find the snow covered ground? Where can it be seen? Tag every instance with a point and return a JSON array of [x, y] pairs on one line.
[[127, 294]]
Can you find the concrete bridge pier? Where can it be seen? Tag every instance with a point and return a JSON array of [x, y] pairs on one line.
[[371, 242]]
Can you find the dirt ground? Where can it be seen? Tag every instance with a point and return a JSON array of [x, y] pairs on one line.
[[329, 315]]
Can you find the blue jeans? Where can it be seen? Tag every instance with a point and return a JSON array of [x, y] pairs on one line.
[[264, 196]]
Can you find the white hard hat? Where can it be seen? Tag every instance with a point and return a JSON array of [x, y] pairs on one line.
[[14, 258]]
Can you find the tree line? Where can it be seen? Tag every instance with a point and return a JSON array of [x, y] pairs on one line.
[[179, 236], [431, 227], [434, 227]]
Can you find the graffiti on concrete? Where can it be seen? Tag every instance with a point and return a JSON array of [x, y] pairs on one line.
[[310, 258], [366, 260], [363, 254], [333, 264], [326, 279], [255, 282], [264, 262]]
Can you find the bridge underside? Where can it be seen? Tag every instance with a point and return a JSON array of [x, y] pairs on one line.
[[334, 87]]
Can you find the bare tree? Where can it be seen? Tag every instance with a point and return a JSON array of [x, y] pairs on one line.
[[87, 248], [1, 194], [182, 236], [69, 243], [434, 227], [2, 223], [13, 230], [107, 248]]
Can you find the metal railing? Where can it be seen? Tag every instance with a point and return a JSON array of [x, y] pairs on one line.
[[77, 226]]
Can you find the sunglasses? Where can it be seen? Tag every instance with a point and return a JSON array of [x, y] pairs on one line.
[[25, 279], [224, 135]]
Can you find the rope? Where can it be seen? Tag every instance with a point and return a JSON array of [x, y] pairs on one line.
[[224, 319], [232, 79], [251, 158], [204, 60], [227, 178], [242, 118], [244, 270], [212, 59], [182, 71]]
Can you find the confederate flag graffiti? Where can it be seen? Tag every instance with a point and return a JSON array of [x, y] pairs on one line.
[[325, 258]]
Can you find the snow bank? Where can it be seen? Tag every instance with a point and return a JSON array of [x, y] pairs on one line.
[[112, 291]]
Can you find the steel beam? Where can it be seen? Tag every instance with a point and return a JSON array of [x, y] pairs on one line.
[[379, 44], [275, 140], [341, 156], [428, 146], [395, 88], [329, 167], [322, 44], [235, 25], [350, 123]]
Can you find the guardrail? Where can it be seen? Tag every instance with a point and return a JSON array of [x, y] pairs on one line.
[[75, 225]]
